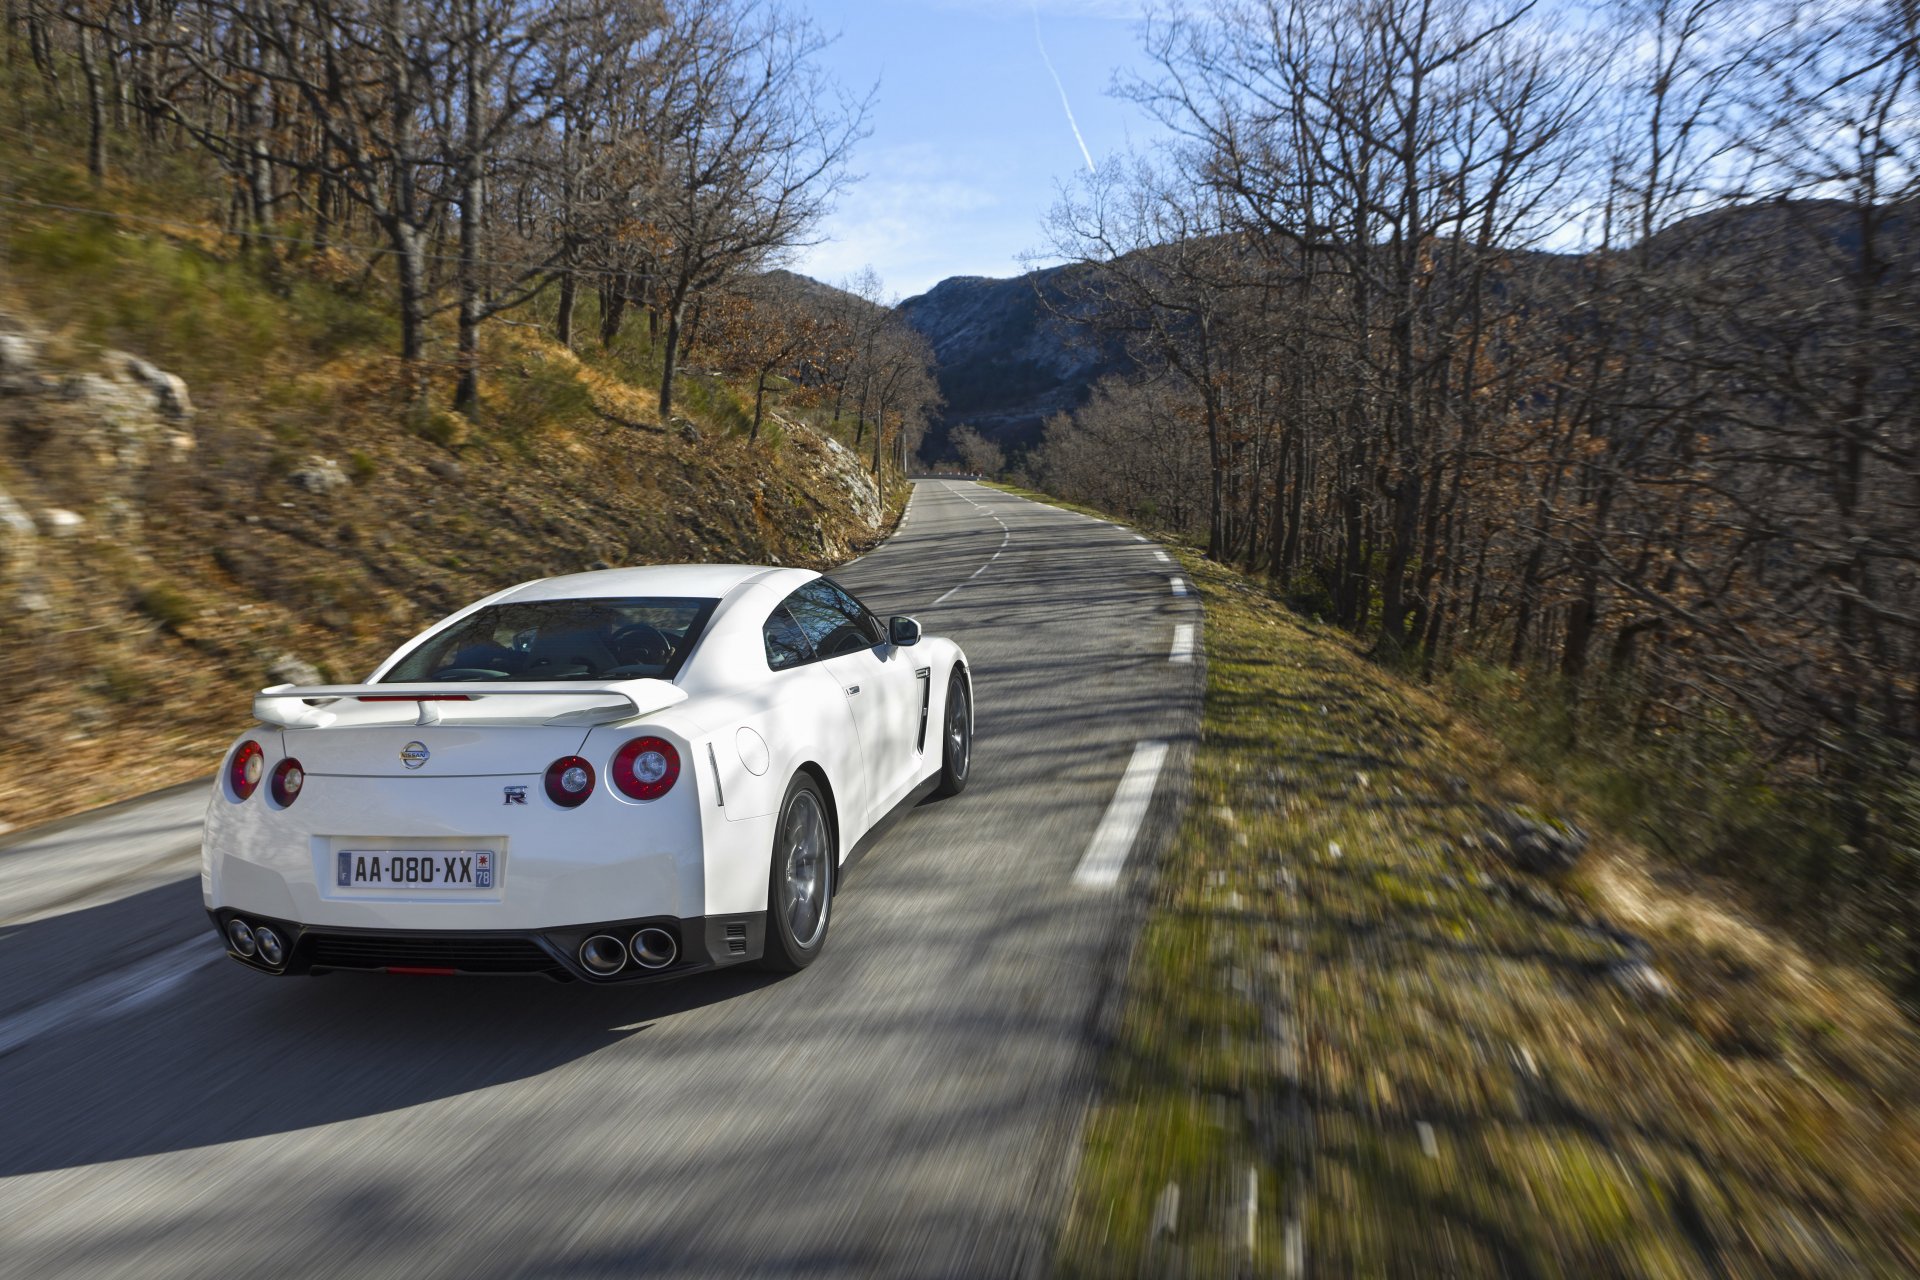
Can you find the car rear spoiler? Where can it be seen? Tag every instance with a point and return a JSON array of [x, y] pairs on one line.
[[551, 703]]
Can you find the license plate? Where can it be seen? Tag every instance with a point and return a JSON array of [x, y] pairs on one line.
[[422, 869]]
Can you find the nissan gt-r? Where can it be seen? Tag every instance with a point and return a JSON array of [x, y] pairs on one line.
[[607, 777]]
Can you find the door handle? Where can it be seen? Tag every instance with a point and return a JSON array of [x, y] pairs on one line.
[[853, 689]]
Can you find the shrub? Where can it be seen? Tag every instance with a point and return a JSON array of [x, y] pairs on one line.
[[168, 606]]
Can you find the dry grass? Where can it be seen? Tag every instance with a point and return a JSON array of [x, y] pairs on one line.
[[1429, 1063], [153, 626]]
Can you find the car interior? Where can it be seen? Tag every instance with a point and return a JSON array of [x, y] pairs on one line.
[[561, 640]]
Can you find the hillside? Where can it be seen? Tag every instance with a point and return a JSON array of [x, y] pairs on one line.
[[1007, 361], [212, 481]]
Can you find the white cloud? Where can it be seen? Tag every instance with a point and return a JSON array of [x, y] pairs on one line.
[[917, 218]]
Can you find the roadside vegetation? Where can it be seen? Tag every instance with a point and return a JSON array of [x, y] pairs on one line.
[[1366, 1033], [1565, 356], [311, 488]]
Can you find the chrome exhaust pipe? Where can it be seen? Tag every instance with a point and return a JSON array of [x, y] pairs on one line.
[[603, 955], [272, 950], [240, 935], [654, 948]]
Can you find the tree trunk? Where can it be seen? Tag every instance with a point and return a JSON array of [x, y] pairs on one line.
[[563, 313], [759, 402], [411, 266], [96, 108], [466, 395], [613, 310], [668, 359]]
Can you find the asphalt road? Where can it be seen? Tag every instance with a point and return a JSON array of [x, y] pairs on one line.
[[908, 1105]]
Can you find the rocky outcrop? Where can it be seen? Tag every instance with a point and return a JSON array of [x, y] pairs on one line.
[[1535, 843], [79, 442], [319, 475]]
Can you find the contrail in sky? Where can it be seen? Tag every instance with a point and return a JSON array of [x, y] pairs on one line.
[[1071, 122]]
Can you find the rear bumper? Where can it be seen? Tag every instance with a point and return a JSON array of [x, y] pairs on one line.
[[704, 943]]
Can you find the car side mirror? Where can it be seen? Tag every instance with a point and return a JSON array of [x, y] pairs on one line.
[[903, 631]]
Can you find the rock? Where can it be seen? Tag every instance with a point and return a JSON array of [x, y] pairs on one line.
[[19, 355], [169, 390], [14, 521], [102, 394], [447, 469], [1641, 981], [1166, 1213], [1542, 846], [319, 475], [685, 430], [288, 669], [62, 523]]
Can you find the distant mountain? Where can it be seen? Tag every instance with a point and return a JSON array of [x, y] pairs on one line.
[[818, 293], [1006, 361]]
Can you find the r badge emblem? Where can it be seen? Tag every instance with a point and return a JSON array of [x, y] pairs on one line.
[[515, 795], [414, 754]]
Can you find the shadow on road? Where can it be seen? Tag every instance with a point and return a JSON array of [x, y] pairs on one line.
[[273, 1055]]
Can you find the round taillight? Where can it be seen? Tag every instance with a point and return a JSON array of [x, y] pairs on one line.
[[288, 778], [569, 781], [646, 768], [243, 775]]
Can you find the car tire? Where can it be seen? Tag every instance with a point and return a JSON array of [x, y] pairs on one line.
[[956, 737], [800, 879]]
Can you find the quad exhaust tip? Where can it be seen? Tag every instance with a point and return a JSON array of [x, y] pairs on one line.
[[654, 948], [603, 955], [257, 942]]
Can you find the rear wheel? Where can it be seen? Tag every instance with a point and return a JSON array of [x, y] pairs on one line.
[[956, 745], [800, 888]]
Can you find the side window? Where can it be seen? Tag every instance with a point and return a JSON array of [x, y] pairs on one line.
[[876, 630], [787, 645], [834, 623]]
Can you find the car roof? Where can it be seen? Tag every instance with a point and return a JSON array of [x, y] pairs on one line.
[[700, 581]]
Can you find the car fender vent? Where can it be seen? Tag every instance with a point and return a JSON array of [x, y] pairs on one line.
[[737, 939]]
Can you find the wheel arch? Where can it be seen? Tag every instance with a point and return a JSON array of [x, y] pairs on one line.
[[819, 776]]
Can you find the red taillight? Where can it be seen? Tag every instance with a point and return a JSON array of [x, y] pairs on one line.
[[288, 778], [569, 781], [243, 775], [646, 768]]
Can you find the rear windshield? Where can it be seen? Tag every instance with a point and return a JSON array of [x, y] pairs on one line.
[[609, 639]]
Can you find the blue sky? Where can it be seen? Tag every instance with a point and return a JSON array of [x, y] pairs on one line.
[[969, 135]]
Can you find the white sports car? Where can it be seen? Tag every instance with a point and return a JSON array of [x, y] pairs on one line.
[[610, 776]]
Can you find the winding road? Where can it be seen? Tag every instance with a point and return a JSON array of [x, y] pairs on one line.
[[907, 1106]]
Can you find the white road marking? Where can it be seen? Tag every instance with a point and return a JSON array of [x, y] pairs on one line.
[[1182, 643], [1006, 537], [1179, 585], [1106, 855], [110, 994], [1139, 537], [1163, 557]]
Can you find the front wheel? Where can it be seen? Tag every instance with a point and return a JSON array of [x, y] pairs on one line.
[[956, 748], [800, 891]]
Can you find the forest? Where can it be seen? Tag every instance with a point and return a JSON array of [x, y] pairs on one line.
[[580, 166], [1568, 354]]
